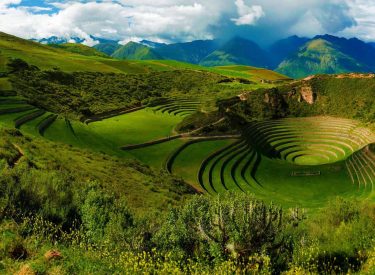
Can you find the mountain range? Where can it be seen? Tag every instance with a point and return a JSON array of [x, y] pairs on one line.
[[294, 56]]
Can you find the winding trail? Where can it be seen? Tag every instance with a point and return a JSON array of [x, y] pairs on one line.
[[182, 135]]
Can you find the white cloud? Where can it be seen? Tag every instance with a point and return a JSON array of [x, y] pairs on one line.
[[37, 9], [248, 15], [363, 11], [113, 20], [307, 25], [185, 20]]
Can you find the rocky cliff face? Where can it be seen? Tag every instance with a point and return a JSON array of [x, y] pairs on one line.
[[307, 94]]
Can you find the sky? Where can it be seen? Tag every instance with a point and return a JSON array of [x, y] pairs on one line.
[[168, 21]]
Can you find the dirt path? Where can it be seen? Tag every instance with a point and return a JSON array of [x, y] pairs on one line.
[[162, 140], [182, 135]]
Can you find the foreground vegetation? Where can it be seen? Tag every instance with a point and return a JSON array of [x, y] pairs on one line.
[[229, 234]]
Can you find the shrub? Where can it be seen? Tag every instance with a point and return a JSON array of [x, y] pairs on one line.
[[227, 226], [104, 216], [334, 241]]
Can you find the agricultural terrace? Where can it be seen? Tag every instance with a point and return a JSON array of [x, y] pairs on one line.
[[309, 141], [106, 135], [303, 161]]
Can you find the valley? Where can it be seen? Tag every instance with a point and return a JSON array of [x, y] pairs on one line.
[[114, 152]]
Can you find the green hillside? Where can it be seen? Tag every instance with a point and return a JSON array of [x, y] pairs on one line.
[[320, 56], [237, 51], [95, 93], [79, 49], [191, 52], [108, 47], [347, 95], [46, 57], [135, 51]]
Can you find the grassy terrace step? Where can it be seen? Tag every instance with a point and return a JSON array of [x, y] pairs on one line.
[[11, 101], [14, 109], [361, 167], [188, 162], [368, 171], [225, 176], [214, 172], [300, 145], [172, 157], [203, 176], [28, 117], [305, 131], [113, 113], [177, 103], [31, 126], [358, 168], [43, 126], [304, 135], [248, 172], [180, 107], [230, 168], [234, 165]]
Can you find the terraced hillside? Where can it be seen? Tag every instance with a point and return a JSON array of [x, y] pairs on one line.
[[107, 135], [177, 106], [293, 161], [299, 161], [309, 141], [14, 111]]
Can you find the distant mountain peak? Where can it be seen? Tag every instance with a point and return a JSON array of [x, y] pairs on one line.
[[327, 54], [73, 39], [135, 51], [238, 50], [59, 40]]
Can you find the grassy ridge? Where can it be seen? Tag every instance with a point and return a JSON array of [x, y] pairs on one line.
[[79, 49], [47, 57], [328, 55], [84, 94], [338, 95]]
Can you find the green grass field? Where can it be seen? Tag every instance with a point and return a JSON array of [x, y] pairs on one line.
[[137, 127], [156, 155], [107, 136]]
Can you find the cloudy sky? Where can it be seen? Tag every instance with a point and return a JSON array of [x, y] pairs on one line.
[[184, 20]]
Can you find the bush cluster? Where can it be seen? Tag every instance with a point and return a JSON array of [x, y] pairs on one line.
[[84, 94]]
